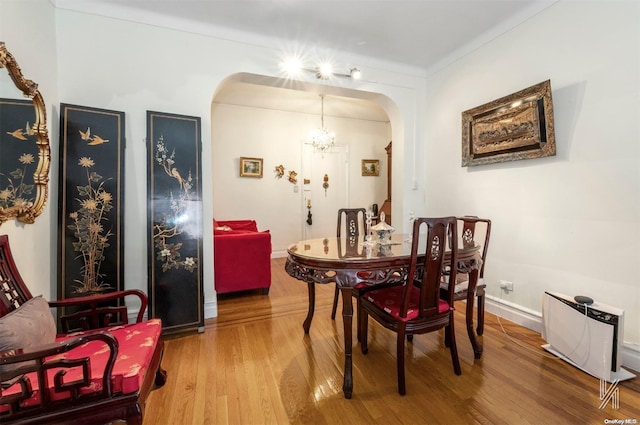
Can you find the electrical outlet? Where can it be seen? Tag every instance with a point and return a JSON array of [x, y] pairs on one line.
[[506, 285]]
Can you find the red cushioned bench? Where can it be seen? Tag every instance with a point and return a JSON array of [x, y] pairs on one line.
[[92, 376]]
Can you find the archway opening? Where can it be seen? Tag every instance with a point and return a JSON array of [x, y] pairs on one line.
[[269, 118]]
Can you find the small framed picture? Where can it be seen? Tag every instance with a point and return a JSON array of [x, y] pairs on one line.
[[370, 167], [250, 167]]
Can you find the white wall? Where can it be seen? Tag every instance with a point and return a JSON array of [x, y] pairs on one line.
[[27, 27], [570, 223], [555, 219], [125, 66], [277, 137]]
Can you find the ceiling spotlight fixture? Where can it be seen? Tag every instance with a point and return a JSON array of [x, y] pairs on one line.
[[292, 67], [325, 71], [320, 138]]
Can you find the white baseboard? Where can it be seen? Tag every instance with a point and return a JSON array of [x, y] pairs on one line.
[[530, 319], [210, 309], [533, 320], [279, 253]]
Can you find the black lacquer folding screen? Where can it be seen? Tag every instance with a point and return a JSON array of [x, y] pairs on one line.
[[175, 221], [91, 201]]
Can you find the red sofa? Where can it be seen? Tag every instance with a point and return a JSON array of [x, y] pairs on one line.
[[242, 256]]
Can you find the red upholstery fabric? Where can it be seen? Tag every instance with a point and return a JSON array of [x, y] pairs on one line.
[[389, 299], [136, 346], [247, 225], [242, 256]]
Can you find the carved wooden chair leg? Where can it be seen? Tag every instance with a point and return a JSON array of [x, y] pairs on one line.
[[161, 377], [402, 387], [480, 294], [449, 331], [363, 324]]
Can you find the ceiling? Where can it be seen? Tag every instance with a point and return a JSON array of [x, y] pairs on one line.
[[414, 37], [416, 34]]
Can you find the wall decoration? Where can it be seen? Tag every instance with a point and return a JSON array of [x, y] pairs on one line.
[[370, 167], [91, 201], [279, 171], [251, 167], [514, 127], [24, 144], [174, 190], [293, 177]]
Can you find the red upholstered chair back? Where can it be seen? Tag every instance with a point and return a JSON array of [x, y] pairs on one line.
[[432, 238], [13, 292], [419, 306]]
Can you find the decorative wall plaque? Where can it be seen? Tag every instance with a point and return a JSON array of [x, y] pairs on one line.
[[514, 127]]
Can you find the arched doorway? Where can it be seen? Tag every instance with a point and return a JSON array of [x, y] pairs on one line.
[[269, 118]]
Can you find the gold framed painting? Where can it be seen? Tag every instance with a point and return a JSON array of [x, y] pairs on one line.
[[250, 167], [370, 167], [514, 127]]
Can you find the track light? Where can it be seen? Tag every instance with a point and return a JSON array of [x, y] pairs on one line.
[[293, 66], [325, 72]]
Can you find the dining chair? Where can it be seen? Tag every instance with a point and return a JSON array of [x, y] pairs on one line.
[[418, 306], [474, 231], [351, 221]]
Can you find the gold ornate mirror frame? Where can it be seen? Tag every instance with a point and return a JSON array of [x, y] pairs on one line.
[[26, 210]]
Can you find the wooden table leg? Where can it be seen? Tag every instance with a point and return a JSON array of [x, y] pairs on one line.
[[312, 305], [347, 318], [471, 291]]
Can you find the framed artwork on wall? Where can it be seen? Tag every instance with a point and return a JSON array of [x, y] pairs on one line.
[[514, 127], [91, 201], [174, 202], [250, 167], [370, 167]]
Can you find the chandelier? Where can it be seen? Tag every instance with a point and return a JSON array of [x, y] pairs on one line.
[[320, 138]]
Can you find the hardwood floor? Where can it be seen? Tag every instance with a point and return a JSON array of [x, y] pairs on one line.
[[254, 365]]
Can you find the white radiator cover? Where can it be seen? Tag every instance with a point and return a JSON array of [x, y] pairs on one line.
[[589, 337]]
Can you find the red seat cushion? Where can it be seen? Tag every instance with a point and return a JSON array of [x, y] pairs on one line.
[[136, 342], [390, 299]]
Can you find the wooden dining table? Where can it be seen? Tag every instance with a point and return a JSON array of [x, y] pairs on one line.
[[350, 261]]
